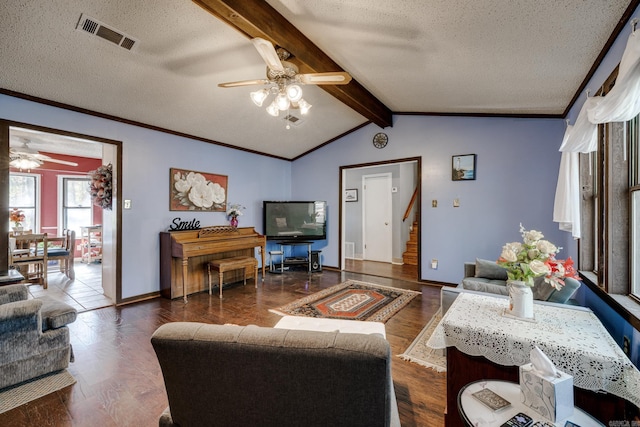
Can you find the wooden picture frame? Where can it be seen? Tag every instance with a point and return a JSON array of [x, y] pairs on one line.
[[463, 167], [197, 191], [351, 195]]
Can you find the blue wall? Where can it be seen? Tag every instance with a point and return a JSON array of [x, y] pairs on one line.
[[517, 170]]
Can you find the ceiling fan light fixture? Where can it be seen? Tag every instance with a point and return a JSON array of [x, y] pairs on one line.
[[24, 163], [304, 106], [259, 96], [294, 93], [273, 109], [282, 101]]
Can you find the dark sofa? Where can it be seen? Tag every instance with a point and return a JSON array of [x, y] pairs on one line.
[[228, 375]]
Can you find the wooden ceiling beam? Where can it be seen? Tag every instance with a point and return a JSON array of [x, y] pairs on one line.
[[256, 18]]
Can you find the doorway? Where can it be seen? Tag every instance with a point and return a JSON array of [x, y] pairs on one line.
[[368, 190], [65, 161]]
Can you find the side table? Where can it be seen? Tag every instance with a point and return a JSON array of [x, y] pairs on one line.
[[474, 413]]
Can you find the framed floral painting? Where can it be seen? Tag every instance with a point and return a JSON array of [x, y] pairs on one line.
[[197, 191]]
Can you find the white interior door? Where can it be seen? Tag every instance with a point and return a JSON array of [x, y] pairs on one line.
[[377, 214]]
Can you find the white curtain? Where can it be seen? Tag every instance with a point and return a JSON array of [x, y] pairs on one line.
[[622, 103]]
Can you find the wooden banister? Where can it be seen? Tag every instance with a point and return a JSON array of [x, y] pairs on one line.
[[411, 202]]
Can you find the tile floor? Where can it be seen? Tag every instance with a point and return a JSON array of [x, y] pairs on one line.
[[84, 293]]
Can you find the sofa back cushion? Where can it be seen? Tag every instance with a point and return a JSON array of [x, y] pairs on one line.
[[240, 376], [490, 270]]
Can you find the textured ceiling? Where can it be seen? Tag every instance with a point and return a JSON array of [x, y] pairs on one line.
[[439, 56]]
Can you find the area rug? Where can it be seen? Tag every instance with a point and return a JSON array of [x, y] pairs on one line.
[[418, 352], [17, 396], [351, 300]]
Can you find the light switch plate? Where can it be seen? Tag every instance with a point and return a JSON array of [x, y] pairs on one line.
[[127, 204], [456, 203]]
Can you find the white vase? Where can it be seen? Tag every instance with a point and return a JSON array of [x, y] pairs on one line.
[[520, 299], [17, 230]]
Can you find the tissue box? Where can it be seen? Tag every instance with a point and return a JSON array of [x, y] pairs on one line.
[[551, 398]]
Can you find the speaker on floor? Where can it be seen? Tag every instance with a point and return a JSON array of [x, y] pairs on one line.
[[316, 263]]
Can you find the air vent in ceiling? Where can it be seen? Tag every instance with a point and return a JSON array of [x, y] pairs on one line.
[[93, 26], [289, 118]]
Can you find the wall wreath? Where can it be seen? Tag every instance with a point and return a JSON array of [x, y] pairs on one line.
[[101, 186]]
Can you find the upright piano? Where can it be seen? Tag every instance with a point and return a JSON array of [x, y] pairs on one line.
[[184, 256]]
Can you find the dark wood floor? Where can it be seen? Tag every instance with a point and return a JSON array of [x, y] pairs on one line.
[[120, 382]]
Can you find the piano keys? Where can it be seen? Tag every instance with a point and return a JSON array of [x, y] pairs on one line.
[[184, 256]]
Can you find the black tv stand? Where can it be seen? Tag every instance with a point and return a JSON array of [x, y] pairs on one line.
[[290, 258]]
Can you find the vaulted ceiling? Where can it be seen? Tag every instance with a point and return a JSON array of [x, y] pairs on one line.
[[486, 57]]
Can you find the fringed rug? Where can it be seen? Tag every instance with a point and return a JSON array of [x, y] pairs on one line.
[[351, 300], [418, 352], [13, 397]]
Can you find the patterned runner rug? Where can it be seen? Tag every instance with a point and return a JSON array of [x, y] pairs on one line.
[[17, 396], [418, 352], [351, 300]]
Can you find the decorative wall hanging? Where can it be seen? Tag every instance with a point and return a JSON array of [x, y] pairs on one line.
[[463, 167], [101, 186], [351, 195], [197, 191]]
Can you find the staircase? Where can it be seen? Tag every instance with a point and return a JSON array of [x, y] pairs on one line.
[[410, 256]]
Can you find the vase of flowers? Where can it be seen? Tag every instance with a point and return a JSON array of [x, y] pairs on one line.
[[233, 212], [16, 216], [526, 260]]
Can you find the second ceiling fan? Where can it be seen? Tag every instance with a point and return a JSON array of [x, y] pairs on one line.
[[283, 80], [25, 157]]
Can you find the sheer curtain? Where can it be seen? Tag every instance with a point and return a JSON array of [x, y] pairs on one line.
[[621, 104]]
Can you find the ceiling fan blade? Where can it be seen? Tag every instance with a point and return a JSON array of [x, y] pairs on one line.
[[244, 83], [45, 158], [331, 78], [62, 162], [268, 52]]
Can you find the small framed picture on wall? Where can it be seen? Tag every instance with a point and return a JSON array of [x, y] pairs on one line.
[[351, 195], [463, 167]]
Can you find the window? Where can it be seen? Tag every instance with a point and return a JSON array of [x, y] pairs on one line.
[[24, 194], [633, 136], [76, 204], [609, 185]]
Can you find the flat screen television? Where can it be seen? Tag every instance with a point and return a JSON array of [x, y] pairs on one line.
[[295, 220]]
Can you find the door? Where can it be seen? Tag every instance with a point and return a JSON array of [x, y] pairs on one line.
[[377, 214]]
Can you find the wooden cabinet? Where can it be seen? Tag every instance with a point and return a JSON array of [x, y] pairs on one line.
[[91, 243]]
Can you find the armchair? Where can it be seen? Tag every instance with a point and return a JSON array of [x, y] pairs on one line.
[[34, 338]]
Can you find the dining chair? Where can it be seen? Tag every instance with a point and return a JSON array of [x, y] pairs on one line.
[[30, 257], [64, 254]]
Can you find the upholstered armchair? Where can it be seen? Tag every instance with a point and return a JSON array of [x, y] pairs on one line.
[[34, 338]]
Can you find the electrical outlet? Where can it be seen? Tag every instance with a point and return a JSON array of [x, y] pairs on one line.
[[434, 264], [127, 204], [456, 203], [626, 346], [434, 203]]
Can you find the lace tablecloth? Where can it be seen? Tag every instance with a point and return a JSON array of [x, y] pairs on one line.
[[574, 340]]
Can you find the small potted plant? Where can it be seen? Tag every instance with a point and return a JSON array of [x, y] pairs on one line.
[[16, 216], [233, 212]]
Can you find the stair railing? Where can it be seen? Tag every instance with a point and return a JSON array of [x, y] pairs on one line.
[[411, 202]]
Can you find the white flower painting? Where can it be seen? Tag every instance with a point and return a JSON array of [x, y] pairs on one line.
[[197, 191]]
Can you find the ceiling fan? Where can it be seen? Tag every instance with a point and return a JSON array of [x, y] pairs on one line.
[[25, 157], [283, 80]]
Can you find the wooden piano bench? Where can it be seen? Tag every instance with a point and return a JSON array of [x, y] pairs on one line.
[[234, 263]]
